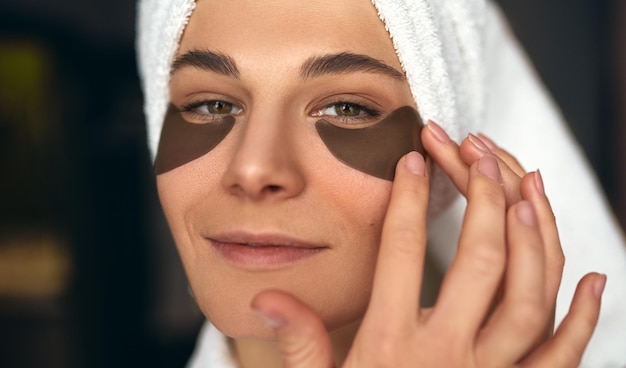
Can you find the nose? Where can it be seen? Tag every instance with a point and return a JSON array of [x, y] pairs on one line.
[[265, 164]]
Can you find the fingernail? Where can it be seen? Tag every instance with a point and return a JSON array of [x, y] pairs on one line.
[[438, 132], [487, 141], [488, 166], [526, 213], [539, 182], [414, 162], [478, 143], [598, 287], [271, 320]]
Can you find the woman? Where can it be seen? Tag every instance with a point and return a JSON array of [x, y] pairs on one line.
[[261, 193]]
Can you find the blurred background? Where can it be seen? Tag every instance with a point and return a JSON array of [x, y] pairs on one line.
[[89, 276]]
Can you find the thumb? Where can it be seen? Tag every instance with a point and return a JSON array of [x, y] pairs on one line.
[[300, 333]]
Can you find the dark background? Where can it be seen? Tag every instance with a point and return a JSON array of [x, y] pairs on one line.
[[89, 276]]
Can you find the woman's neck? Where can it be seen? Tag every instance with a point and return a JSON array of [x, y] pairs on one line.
[[251, 353]]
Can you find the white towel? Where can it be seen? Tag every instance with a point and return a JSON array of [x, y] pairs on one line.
[[160, 25], [467, 72]]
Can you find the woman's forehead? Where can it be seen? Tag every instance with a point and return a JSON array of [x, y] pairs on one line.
[[269, 29]]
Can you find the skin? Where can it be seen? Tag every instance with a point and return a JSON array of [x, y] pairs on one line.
[[376, 149], [182, 141], [273, 174]]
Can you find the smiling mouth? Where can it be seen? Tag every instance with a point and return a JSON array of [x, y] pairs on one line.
[[254, 252]]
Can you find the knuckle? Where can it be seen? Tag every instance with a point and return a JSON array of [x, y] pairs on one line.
[[568, 356], [555, 262], [487, 260], [530, 317], [489, 195], [387, 348], [404, 241], [301, 351], [559, 259], [386, 352], [415, 189]]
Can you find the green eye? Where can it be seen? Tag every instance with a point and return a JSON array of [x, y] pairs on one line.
[[347, 113], [205, 111]]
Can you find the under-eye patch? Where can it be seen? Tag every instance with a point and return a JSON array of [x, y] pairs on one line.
[[182, 141], [376, 149]]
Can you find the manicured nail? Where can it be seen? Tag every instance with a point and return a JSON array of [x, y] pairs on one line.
[[487, 141], [438, 132], [598, 287], [488, 166], [526, 213], [478, 143], [414, 162], [271, 320], [539, 182]]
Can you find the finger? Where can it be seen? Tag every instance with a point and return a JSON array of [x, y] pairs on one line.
[[398, 277], [502, 154], [472, 148], [521, 317], [455, 160], [554, 260], [474, 275], [566, 347], [445, 153], [301, 336], [532, 189]]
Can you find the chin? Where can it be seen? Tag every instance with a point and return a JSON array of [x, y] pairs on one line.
[[225, 295], [247, 326], [242, 322]]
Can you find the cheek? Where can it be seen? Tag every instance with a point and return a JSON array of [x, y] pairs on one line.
[[182, 191], [375, 149], [360, 204], [173, 198], [340, 205], [182, 142]]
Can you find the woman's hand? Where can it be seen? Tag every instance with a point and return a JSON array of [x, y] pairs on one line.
[[452, 159], [497, 298], [455, 159]]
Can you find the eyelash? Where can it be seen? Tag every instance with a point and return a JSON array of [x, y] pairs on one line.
[[192, 109], [365, 113], [368, 113]]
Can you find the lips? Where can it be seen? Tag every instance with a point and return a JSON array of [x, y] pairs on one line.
[[262, 251]]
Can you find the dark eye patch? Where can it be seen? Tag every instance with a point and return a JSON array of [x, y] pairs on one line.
[[182, 141], [375, 150]]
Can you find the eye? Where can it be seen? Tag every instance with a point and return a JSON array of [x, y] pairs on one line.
[[207, 111], [348, 114], [344, 109], [214, 107]]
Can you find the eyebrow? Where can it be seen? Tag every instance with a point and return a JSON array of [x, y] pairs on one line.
[[207, 60], [344, 62], [316, 66]]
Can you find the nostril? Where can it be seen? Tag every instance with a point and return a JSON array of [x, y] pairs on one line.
[[273, 188]]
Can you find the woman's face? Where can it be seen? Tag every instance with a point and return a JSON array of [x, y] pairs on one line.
[[270, 206]]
